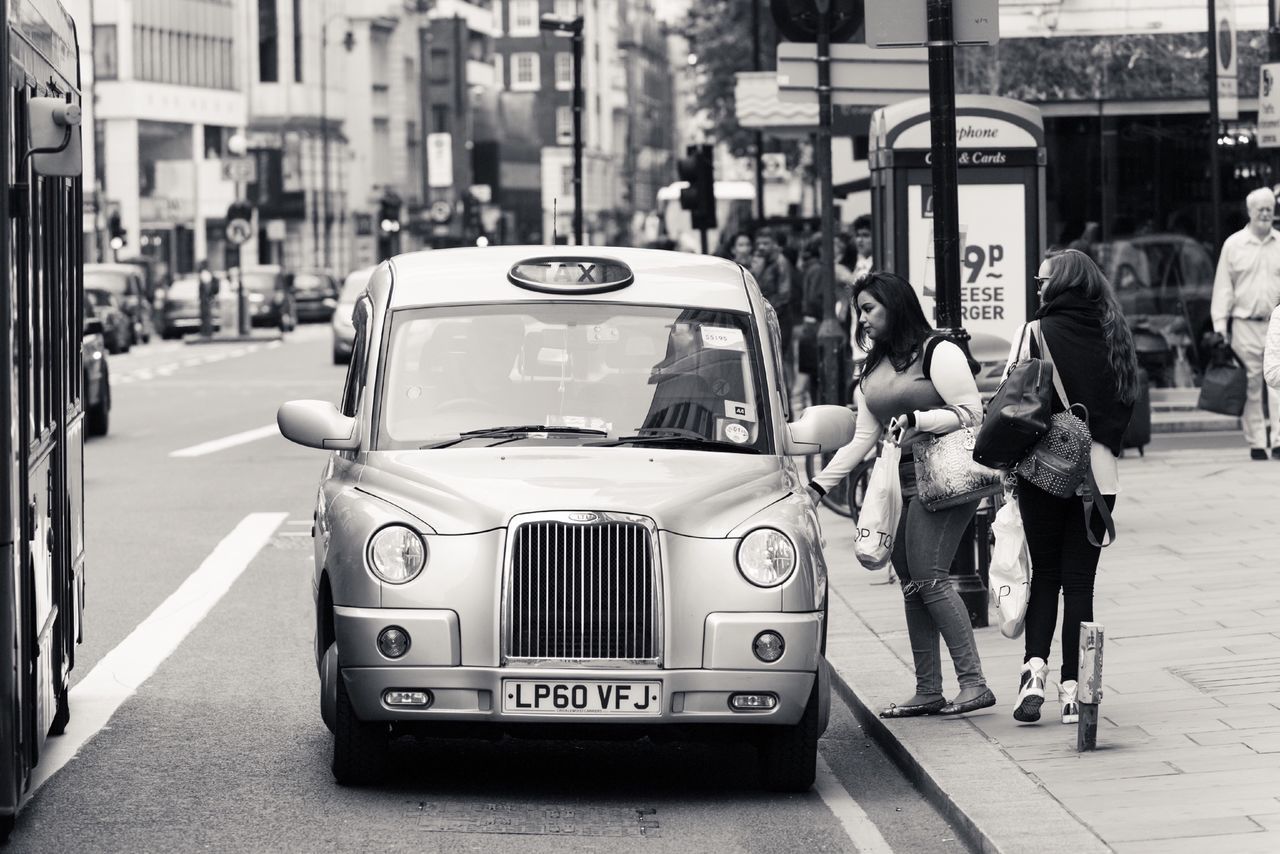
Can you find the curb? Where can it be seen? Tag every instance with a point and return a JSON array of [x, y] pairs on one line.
[[967, 776]]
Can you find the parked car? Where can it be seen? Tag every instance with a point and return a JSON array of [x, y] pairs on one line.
[[343, 330], [116, 324], [270, 297], [180, 312], [315, 295], [637, 554], [1164, 283], [127, 283], [96, 377]]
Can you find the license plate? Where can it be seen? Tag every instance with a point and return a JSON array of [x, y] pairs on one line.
[[608, 698]]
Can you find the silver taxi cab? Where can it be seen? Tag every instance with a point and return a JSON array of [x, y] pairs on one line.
[[562, 491]]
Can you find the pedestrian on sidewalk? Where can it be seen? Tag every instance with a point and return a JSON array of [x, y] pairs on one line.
[[1271, 355], [1245, 291], [911, 376], [1093, 354]]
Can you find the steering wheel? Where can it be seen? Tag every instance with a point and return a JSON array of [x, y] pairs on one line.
[[467, 402]]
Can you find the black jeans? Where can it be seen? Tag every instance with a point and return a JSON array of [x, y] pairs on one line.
[[1062, 560]]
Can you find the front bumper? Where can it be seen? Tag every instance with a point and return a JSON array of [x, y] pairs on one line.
[[475, 693]]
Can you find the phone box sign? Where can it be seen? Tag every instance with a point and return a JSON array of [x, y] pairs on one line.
[[1001, 158]]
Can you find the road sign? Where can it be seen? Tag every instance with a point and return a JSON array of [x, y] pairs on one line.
[[903, 23], [242, 170], [238, 231], [1269, 105], [441, 211], [1224, 27], [860, 75]]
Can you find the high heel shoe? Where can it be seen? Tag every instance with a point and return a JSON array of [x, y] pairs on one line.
[[915, 710], [985, 700]]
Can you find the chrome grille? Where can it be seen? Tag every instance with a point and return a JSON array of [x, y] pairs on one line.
[[582, 591]]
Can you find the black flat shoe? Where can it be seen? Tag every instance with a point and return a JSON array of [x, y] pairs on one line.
[[985, 700], [915, 711]]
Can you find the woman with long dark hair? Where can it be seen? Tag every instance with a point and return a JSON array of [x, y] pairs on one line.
[[1093, 354], [912, 384]]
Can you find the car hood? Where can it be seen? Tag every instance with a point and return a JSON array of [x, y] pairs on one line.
[[462, 491]]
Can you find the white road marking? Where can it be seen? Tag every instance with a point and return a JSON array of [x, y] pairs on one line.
[[227, 442], [865, 835], [122, 670]]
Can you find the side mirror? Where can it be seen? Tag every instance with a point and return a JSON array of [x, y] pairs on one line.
[[93, 326], [820, 429], [53, 137], [317, 424]]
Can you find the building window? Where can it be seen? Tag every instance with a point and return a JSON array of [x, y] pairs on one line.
[[440, 118], [525, 75], [566, 181], [497, 71], [564, 125], [297, 41], [524, 18], [564, 71], [106, 62], [268, 42], [566, 10]]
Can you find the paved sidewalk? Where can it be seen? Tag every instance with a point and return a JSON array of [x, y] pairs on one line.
[[1188, 752]]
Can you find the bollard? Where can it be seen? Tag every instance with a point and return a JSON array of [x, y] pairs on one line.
[[1089, 686]]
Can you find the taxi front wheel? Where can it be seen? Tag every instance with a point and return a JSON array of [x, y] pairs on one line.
[[359, 748], [789, 754]]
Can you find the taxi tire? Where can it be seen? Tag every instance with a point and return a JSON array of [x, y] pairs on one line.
[[789, 754], [359, 749]]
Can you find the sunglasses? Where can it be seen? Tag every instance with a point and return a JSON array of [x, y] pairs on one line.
[[1043, 280]]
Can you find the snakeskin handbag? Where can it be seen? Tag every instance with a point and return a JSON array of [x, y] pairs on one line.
[[946, 473]]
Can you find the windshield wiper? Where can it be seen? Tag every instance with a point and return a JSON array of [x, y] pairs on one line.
[[675, 436], [514, 430]]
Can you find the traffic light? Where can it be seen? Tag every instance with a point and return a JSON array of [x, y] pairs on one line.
[[115, 230], [797, 20], [389, 214], [697, 168], [240, 210]]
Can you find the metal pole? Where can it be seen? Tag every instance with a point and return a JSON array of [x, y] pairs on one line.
[[424, 83], [577, 130], [946, 245], [324, 134], [756, 63], [1215, 170], [946, 204], [830, 333]]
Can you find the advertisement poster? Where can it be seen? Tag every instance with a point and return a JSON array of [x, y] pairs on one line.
[[993, 277]]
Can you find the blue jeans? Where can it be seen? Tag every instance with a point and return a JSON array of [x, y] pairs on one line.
[[922, 555]]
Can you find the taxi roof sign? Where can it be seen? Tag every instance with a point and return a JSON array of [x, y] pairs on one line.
[[571, 275]]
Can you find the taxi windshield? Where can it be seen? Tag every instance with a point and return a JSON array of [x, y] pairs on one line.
[[610, 374]]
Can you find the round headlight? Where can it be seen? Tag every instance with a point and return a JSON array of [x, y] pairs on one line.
[[397, 554], [766, 557]]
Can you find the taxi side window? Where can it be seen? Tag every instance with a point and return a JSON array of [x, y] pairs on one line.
[[354, 385], [775, 341]]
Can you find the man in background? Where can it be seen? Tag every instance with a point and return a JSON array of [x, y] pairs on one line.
[[1246, 290]]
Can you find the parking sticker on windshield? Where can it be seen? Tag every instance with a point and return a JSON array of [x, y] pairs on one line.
[[723, 338], [602, 333], [738, 409], [736, 433], [589, 422]]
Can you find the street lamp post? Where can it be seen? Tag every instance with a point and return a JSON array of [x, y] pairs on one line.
[[324, 129], [575, 29], [830, 334]]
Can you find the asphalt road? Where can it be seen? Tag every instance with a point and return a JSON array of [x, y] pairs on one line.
[[212, 739]]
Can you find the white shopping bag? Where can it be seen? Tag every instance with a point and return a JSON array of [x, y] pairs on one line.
[[878, 519], [1010, 569]]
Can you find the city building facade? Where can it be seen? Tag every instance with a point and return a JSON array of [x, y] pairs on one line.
[[168, 97]]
